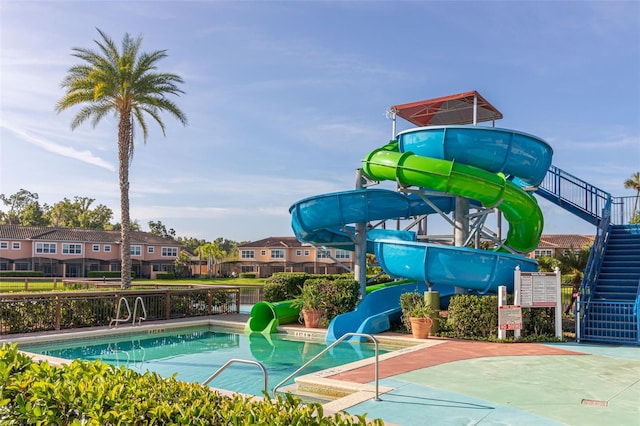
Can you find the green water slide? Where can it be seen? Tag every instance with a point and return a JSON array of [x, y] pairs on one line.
[[520, 209]]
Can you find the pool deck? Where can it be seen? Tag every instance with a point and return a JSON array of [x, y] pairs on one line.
[[454, 382]]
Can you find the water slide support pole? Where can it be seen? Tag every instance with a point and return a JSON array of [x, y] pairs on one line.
[[360, 264], [461, 228]]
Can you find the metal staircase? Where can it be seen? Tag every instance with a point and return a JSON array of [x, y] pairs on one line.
[[609, 307]]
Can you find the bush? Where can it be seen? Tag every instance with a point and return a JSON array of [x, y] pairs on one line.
[[472, 316], [166, 276], [86, 392], [337, 296], [107, 274], [476, 317], [247, 275], [15, 274]]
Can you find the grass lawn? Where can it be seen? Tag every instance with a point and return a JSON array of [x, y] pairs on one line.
[[17, 285]]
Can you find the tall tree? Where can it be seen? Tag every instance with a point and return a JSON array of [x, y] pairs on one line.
[[21, 203], [212, 253], [634, 183], [124, 83], [158, 228]]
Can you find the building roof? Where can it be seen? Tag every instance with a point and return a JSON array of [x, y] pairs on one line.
[[565, 241], [273, 242], [51, 233], [453, 109]]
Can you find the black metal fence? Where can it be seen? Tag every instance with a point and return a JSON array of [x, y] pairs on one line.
[[33, 312]]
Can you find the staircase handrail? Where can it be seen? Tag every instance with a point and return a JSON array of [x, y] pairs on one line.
[[596, 256], [574, 191]]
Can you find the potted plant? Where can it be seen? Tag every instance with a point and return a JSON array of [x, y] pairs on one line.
[[417, 315], [310, 304]]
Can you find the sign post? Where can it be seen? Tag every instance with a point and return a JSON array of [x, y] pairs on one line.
[[540, 290], [509, 316]]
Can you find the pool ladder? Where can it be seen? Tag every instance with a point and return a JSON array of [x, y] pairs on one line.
[[305, 365], [143, 317], [327, 349]]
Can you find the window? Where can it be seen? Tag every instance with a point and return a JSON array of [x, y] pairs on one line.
[[247, 254], [43, 248], [4, 245], [298, 252], [95, 247], [323, 254], [4, 266], [15, 245], [151, 249], [136, 250], [94, 267], [543, 252], [106, 248], [169, 251], [263, 252], [22, 266], [343, 254], [277, 254], [307, 252], [71, 248], [155, 267], [246, 268]]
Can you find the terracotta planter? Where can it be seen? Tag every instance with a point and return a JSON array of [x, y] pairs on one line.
[[311, 317], [420, 327]]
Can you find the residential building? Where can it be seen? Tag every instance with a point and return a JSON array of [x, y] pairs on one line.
[[286, 254], [279, 254], [556, 244], [67, 252]]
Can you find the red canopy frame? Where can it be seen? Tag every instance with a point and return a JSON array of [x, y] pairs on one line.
[[463, 108]]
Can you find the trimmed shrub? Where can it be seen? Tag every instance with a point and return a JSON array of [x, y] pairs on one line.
[[472, 316], [248, 275], [107, 274], [96, 393], [15, 274], [166, 276]]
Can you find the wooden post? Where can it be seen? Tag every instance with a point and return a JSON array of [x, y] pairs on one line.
[[58, 310], [26, 284], [167, 304]]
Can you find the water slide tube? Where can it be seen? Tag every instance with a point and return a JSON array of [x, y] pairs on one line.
[[478, 163]]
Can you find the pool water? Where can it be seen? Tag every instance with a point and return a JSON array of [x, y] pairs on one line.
[[197, 352]]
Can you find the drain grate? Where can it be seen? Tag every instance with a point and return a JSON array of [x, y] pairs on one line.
[[595, 403]]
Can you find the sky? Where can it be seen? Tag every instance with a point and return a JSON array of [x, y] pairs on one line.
[[285, 98]]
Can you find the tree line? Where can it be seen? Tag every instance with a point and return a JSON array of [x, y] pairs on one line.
[[24, 209]]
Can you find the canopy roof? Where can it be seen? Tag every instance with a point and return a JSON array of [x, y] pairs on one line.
[[453, 109]]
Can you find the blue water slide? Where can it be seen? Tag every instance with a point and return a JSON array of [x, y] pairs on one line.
[[464, 161]]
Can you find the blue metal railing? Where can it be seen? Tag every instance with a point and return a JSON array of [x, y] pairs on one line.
[[574, 194], [594, 263]]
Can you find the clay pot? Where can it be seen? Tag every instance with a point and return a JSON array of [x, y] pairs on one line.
[[311, 317], [420, 327]]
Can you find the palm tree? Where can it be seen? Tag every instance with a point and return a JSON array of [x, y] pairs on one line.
[[634, 183], [212, 253], [126, 84]]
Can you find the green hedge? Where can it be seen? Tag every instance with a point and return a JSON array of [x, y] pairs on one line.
[[21, 274], [95, 393], [107, 274], [166, 276], [247, 275], [476, 317]]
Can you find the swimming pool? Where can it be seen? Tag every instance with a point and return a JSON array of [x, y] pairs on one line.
[[194, 353]]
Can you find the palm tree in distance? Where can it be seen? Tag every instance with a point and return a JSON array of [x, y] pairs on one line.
[[126, 84], [634, 183]]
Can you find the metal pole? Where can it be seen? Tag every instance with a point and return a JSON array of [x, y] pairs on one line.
[[461, 227], [360, 268]]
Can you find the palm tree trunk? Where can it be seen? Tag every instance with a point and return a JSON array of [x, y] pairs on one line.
[[124, 149]]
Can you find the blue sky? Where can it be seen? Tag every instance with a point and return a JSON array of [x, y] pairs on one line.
[[284, 99]]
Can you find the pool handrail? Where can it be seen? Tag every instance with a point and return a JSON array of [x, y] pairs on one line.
[[328, 348], [117, 320], [135, 309], [242, 361]]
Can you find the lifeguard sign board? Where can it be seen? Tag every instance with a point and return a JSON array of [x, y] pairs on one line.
[[540, 290]]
